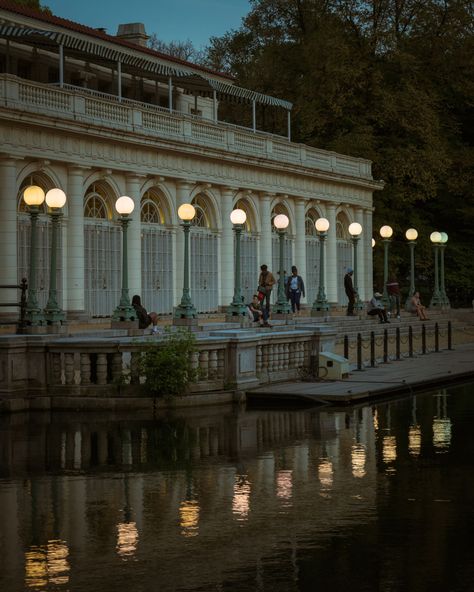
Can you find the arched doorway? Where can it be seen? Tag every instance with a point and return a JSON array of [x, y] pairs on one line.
[[156, 247], [102, 252], [344, 254], [43, 242], [204, 260]]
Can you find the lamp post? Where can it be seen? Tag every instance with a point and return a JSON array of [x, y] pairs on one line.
[[321, 304], [55, 199], [237, 308], [185, 310], [435, 238], [386, 234], [442, 288], [411, 236], [34, 197], [281, 307], [124, 311], [355, 230]]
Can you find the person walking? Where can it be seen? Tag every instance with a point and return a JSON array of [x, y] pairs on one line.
[[266, 281], [145, 319], [350, 292], [376, 307], [393, 290], [294, 289]]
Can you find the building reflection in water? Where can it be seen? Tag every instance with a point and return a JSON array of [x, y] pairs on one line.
[[241, 498], [284, 486], [325, 474], [358, 459], [441, 424], [189, 518], [47, 565]]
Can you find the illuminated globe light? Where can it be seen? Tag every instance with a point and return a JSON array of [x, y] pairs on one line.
[[186, 212], [55, 198], [435, 237], [238, 216], [444, 238], [373, 242], [281, 221], [355, 229], [33, 195], [124, 205], [411, 234], [386, 231], [322, 225]]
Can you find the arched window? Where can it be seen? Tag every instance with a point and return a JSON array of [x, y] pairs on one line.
[[152, 209], [201, 219], [309, 223]]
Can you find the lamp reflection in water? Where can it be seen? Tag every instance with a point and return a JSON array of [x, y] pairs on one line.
[[441, 424], [47, 564], [127, 539], [414, 433], [358, 460], [189, 518], [284, 484], [325, 474], [389, 446], [241, 498]]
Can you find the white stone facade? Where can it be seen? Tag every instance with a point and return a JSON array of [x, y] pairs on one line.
[[97, 148]]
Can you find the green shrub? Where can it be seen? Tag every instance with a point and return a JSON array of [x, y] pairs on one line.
[[166, 365]]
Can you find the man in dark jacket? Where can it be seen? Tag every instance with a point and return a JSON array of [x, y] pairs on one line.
[[294, 288], [350, 292]]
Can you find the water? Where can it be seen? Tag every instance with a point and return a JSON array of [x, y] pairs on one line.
[[377, 498]]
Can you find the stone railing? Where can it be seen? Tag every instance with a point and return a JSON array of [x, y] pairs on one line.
[[97, 108], [110, 366]]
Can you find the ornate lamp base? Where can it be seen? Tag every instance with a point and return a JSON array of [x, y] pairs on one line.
[[124, 313]]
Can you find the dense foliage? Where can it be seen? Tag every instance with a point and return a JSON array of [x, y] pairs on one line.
[[388, 80]]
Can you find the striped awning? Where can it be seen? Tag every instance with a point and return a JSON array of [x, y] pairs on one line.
[[137, 63]]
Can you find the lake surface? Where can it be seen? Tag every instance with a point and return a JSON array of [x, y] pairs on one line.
[[374, 498]]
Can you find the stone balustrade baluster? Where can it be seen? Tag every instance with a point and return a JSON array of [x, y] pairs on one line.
[[213, 364], [85, 369], [101, 368], [258, 363], [117, 367], [221, 364], [204, 364], [265, 357], [69, 368], [286, 355], [56, 368]]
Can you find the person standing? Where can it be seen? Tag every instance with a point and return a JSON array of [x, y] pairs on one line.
[[393, 290], [294, 289], [266, 281], [350, 292]]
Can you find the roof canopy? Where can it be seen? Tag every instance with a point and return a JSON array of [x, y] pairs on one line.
[[135, 62]]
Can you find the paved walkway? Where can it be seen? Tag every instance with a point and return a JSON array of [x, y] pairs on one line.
[[406, 375]]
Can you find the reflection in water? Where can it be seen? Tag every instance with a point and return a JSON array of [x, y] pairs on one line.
[[47, 564], [284, 482], [127, 539], [414, 440], [189, 518], [259, 499], [325, 474], [358, 458], [241, 498]]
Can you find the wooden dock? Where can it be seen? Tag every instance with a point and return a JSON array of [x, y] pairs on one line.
[[396, 377]]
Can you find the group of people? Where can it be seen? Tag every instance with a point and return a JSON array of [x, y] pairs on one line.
[[375, 305]]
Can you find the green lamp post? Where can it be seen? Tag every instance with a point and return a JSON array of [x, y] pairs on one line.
[[281, 307], [442, 288], [186, 310], [237, 308], [411, 235], [355, 230], [436, 301], [55, 199], [34, 198], [321, 304], [386, 233], [124, 311]]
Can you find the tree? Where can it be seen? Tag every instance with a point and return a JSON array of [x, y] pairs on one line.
[[183, 50]]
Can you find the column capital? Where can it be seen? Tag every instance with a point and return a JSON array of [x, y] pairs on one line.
[[8, 159], [77, 169]]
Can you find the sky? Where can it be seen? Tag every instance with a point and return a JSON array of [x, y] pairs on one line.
[[171, 20]]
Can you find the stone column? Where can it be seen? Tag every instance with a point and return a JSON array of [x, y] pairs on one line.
[[332, 270], [183, 190], [300, 239], [227, 248], [266, 233], [361, 261], [74, 303], [8, 232], [134, 237]]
